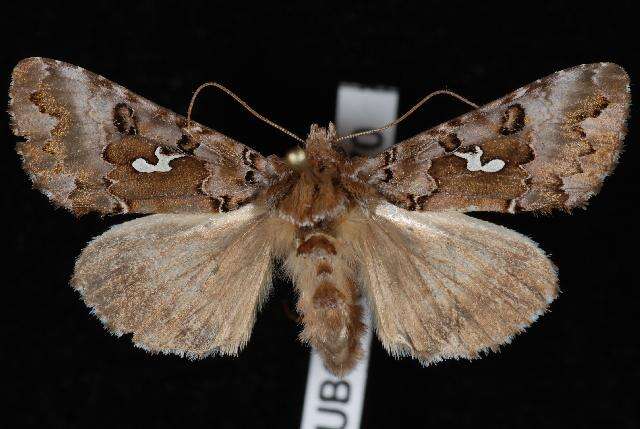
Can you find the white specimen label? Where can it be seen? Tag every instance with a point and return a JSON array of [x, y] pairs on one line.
[[360, 108]]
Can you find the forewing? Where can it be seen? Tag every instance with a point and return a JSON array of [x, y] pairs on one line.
[[92, 145], [548, 145], [445, 285], [189, 284]]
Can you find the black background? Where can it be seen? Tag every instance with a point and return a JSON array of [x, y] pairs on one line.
[[576, 367]]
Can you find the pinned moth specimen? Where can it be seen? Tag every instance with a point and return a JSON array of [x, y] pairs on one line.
[[190, 277]]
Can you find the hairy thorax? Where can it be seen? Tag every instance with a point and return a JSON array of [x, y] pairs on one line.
[[320, 192]]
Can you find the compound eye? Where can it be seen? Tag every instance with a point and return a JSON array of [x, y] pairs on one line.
[[296, 158]]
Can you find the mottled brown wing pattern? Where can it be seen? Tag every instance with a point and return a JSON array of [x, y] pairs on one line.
[[94, 146], [546, 146]]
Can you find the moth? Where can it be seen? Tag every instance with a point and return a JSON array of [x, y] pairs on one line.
[[190, 277]]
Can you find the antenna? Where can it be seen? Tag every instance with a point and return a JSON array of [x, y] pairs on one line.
[[242, 103]]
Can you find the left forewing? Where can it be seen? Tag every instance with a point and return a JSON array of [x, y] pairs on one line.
[[94, 146], [548, 145], [446, 285]]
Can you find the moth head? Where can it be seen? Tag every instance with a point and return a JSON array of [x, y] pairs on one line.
[[320, 150], [322, 142]]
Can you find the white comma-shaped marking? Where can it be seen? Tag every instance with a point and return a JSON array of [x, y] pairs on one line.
[[162, 166], [474, 163]]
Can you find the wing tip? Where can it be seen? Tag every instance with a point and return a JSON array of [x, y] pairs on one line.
[[24, 69], [25, 77], [614, 83]]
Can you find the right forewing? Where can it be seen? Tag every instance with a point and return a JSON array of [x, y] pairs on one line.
[[548, 145], [446, 285]]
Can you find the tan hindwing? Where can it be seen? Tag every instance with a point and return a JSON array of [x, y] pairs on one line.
[[189, 284], [446, 285]]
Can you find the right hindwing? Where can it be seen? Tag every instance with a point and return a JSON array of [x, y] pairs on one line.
[[446, 285]]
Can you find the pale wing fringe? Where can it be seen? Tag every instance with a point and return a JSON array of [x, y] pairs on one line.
[[184, 284], [446, 285]]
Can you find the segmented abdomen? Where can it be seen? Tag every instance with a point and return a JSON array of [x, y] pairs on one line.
[[328, 301]]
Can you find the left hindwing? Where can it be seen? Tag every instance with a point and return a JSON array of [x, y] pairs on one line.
[[94, 146], [180, 283], [546, 146]]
